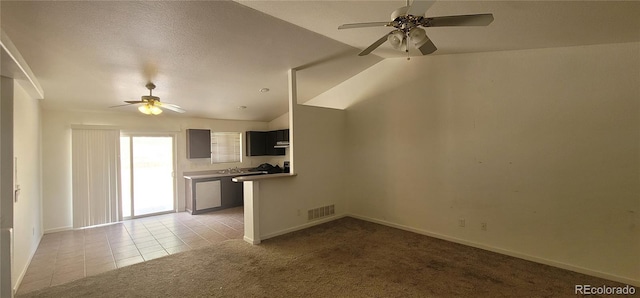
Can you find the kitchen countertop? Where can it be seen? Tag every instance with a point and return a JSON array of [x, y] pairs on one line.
[[217, 173], [262, 177]]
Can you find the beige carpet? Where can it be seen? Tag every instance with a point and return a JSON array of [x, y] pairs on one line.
[[343, 258]]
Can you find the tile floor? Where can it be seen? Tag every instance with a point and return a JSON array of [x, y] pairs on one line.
[[65, 256]]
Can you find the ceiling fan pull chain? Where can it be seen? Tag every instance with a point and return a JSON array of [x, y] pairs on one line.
[[407, 45]]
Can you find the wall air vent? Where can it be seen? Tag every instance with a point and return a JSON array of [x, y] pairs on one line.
[[321, 212]]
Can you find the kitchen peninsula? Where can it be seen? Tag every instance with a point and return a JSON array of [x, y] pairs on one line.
[[207, 191]]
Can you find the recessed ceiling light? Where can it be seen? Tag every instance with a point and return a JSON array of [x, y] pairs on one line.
[[264, 90]]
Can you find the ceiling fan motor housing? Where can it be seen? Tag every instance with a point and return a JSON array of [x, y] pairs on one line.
[[401, 20], [150, 98], [400, 12]]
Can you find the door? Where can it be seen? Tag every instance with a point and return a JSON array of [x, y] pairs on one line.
[[148, 182]]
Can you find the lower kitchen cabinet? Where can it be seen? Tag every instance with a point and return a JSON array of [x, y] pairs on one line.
[[232, 193], [211, 194]]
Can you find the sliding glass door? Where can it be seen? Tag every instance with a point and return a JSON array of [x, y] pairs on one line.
[[147, 165]]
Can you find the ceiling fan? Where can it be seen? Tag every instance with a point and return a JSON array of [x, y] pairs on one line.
[[151, 105], [407, 21]]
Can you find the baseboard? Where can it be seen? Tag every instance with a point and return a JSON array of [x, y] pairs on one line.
[[61, 229], [252, 241], [24, 270], [303, 226], [515, 254]]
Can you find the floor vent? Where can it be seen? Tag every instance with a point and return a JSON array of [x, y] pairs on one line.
[[321, 212]]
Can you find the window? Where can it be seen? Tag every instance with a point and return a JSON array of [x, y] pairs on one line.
[[226, 147]]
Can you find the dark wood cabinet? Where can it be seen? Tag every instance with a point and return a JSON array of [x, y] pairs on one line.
[[198, 143], [256, 143], [261, 143], [282, 135], [232, 193], [272, 139]]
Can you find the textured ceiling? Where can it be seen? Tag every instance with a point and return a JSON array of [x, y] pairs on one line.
[[208, 57], [517, 24], [211, 57]]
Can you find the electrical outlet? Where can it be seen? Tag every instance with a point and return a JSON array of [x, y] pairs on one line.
[[461, 223], [299, 212], [483, 226]]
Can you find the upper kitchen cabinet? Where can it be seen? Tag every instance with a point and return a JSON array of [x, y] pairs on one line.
[[256, 143], [272, 141], [198, 143], [261, 143], [282, 135]]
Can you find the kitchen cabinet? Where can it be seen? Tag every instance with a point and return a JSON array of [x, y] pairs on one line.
[[282, 135], [272, 139], [198, 143], [232, 193], [213, 193], [261, 143], [256, 143]]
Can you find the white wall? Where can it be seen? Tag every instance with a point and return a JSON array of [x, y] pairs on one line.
[[542, 145], [56, 142], [281, 122], [27, 218], [319, 160]]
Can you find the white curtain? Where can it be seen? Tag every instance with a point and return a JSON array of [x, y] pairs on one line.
[[96, 176]]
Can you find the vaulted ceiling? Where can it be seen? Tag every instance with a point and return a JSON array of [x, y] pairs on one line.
[[211, 57]]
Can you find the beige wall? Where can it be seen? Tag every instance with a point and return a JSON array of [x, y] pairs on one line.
[[281, 122], [56, 141], [542, 145], [319, 160], [27, 210]]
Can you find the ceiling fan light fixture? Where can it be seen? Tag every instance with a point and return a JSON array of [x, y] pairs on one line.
[[396, 39], [149, 109], [418, 37], [151, 105], [155, 110], [144, 109]]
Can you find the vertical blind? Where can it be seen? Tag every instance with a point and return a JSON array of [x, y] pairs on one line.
[[226, 147], [95, 176]]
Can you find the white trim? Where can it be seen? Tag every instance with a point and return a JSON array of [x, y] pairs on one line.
[[252, 241], [59, 229], [527, 257], [83, 126], [33, 88], [149, 132]]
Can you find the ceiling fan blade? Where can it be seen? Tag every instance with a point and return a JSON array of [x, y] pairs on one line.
[[419, 7], [374, 46], [427, 48], [169, 106], [463, 20], [363, 25], [134, 101], [127, 104]]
